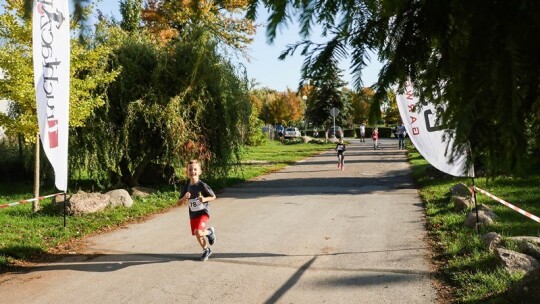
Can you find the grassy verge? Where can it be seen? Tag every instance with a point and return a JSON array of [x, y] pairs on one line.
[[465, 263], [26, 236]]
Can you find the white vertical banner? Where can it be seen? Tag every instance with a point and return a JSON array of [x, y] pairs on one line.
[[51, 51], [428, 137]]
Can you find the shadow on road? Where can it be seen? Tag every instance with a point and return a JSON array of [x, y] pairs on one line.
[[290, 186], [290, 282], [113, 262], [366, 280]]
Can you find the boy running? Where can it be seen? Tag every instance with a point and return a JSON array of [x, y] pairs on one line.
[[198, 194]]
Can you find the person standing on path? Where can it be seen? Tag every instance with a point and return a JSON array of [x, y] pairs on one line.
[[281, 130], [401, 133], [198, 194], [375, 137], [362, 132], [340, 148]]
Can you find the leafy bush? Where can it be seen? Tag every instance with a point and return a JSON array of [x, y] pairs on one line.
[[13, 165], [255, 136], [349, 133]]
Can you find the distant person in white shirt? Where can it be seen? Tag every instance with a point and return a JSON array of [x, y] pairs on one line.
[[363, 132], [401, 133]]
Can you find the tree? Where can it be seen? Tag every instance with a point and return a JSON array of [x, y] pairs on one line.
[[294, 105], [88, 75], [477, 59], [167, 106], [131, 14], [348, 108], [168, 19], [391, 111], [255, 136], [279, 107], [327, 93], [261, 99], [361, 101]]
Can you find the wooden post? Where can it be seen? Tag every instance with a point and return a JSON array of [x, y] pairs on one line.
[[476, 208], [35, 204]]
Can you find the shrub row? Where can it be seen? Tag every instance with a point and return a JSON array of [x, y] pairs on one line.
[[384, 132]]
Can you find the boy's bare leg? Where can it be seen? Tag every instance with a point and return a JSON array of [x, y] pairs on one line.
[[200, 234]]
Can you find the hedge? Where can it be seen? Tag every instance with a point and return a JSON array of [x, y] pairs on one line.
[[384, 132]]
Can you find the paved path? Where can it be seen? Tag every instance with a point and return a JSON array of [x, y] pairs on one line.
[[307, 234]]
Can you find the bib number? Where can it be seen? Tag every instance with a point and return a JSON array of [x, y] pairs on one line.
[[195, 205]]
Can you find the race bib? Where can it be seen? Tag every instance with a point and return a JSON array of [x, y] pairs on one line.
[[195, 204]]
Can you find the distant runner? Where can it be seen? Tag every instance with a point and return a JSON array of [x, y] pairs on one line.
[[375, 137], [401, 133], [340, 148], [362, 130]]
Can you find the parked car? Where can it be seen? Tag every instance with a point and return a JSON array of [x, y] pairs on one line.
[[337, 132], [292, 133]]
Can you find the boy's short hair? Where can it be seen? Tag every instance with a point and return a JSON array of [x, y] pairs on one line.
[[194, 162]]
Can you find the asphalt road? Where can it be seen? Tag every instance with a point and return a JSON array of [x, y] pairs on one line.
[[307, 234]]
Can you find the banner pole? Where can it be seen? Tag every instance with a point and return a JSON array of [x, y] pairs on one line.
[[475, 207], [35, 204], [65, 209]]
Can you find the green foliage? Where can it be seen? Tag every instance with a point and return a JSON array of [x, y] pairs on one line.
[[28, 235], [478, 59], [263, 98], [217, 101], [327, 95], [12, 162], [466, 263], [361, 102], [131, 15], [255, 136], [169, 104], [346, 117], [391, 111], [88, 75], [285, 108]]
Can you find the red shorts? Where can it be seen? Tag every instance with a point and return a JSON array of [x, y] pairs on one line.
[[199, 223]]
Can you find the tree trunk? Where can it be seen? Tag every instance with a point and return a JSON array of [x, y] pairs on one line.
[[125, 172], [35, 204], [132, 179], [140, 169], [21, 155]]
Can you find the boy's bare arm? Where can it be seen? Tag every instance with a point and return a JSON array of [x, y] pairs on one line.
[[184, 198], [207, 199]]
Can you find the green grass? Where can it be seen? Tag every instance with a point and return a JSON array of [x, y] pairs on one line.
[[271, 157], [467, 264], [27, 236]]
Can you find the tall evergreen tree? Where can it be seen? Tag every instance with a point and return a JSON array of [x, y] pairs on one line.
[[326, 95]]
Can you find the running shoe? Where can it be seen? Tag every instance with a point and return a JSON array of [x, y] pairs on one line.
[[206, 254], [212, 236]]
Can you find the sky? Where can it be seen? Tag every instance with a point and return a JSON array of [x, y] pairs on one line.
[[264, 65]]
